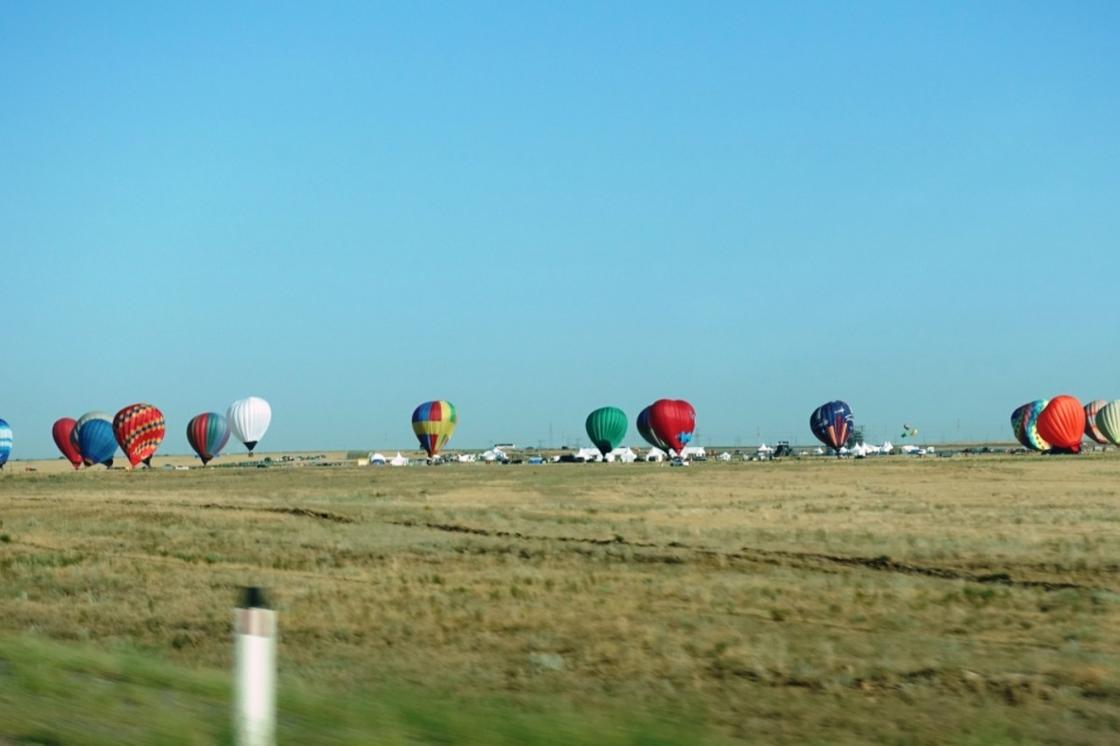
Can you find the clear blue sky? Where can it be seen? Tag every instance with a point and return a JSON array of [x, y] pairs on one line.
[[534, 209]]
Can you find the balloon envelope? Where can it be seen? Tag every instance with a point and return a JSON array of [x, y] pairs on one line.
[[1030, 425], [63, 433], [249, 420], [434, 422], [1019, 423], [646, 431], [672, 421], [1092, 409], [606, 427], [5, 443], [96, 440], [1062, 423], [139, 429], [208, 434], [1108, 420], [831, 423]]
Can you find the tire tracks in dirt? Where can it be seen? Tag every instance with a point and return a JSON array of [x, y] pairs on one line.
[[807, 560]]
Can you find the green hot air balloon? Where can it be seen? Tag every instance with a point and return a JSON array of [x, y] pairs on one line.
[[606, 427], [1108, 421]]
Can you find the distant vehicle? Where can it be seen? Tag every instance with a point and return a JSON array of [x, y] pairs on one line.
[[678, 462]]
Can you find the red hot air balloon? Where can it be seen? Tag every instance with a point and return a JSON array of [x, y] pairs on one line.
[[139, 429], [63, 433], [1062, 424], [672, 421]]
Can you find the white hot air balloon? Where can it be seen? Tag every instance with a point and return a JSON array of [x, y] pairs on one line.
[[248, 420]]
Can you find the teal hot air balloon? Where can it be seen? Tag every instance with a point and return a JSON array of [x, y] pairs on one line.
[[1030, 425], [606, 427]]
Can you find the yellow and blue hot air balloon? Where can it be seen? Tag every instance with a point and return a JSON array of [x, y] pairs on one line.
[[434, 422]]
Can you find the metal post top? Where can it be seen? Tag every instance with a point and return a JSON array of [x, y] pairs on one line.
[[252, 597]]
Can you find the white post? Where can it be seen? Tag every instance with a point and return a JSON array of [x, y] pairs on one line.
[[254, 714]]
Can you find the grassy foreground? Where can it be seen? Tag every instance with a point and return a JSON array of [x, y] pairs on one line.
[[896, 601]]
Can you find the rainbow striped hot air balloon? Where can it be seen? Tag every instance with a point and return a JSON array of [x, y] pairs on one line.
[[139, 429], [434, 422], [1092, 409]]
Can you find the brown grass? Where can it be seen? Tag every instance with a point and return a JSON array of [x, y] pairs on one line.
[[951, 600]]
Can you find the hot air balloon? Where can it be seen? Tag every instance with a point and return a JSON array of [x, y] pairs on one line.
[[1030, 425], [672, 421], [434, 422], [1018, 425], [249, 420], [606, 427], [1062, 424], [909, 431], [1091, 410], [5, 443], [63, 434], [646, 431], [95, 438], [139, 429], [1108, 421], [208, 433], [832, 423]]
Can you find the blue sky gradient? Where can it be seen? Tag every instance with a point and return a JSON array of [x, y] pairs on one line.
[[535, 209]]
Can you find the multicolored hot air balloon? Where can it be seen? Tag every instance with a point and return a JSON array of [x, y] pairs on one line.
[[208, 433], [1108, 421], [249, 420], [672, 421], [95, 438], [139, 429], [5, 442], [434, 422], [909, 431], [1030, 425], [63, 434], [1091, 410], [1062, 424], [832, 423], [606, 427], [646, 431]]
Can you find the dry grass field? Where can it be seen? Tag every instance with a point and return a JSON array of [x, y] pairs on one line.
[[959, 601]]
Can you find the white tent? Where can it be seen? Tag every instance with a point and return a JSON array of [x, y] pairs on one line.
[[398, 460], [378, 459], [624, 455], [656, 454], [589, 454], [694, 452], [465, 458], [725, 456]]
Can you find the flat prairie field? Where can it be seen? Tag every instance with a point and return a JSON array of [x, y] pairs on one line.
[[966, 600]]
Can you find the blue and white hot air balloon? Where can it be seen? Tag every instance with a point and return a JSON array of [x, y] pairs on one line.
[[5, 443], [96, 439]]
